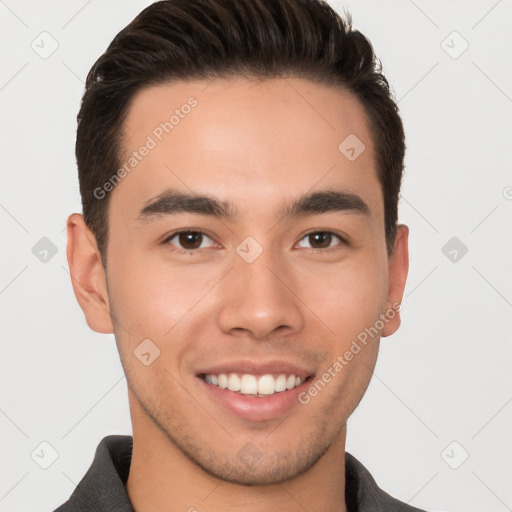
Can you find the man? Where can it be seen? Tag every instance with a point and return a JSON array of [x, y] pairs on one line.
[[240, 166]]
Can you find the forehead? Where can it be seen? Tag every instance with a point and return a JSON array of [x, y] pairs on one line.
[[245, 141]]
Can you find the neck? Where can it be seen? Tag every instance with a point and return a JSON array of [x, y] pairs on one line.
[[162, 478]]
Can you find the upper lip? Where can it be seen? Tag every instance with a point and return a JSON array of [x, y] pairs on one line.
[[253, 367]]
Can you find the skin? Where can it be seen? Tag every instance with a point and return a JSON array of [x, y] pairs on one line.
[[256, 145]]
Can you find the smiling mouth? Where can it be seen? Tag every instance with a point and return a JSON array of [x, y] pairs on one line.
[[254, 385]]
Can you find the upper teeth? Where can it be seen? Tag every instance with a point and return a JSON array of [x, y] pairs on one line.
[[248, 384]]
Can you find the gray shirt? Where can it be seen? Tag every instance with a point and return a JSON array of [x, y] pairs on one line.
[[103, 486]]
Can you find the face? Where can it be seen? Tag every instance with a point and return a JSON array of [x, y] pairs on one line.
[[247, 248]]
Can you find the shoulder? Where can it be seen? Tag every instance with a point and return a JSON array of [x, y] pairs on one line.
[[362, 493], [103, 486]]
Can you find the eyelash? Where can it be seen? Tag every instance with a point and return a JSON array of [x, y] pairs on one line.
[[199, 232]]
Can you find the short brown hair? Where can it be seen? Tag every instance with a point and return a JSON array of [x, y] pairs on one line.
[[204, 39]]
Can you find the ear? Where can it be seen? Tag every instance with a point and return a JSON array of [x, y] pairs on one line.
[[87, 275], [398, 269]]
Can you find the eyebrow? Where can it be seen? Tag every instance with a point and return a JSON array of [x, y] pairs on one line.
[[172, 202]]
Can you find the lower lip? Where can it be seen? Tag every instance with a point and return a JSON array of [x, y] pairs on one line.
[[255, 408]]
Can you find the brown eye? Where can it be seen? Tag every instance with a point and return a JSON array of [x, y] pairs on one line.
[[321, 240], [188, 240]]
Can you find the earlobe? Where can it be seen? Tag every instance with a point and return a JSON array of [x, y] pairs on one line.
[[88, 275], [398, 269]]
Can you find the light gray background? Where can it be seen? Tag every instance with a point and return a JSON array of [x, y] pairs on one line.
[[444, 377]]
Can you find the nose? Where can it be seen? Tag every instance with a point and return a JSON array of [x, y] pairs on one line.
[[258, 301]]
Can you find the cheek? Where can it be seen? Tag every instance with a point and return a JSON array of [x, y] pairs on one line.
[[150, 305], [347, 297], [150, 298]]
